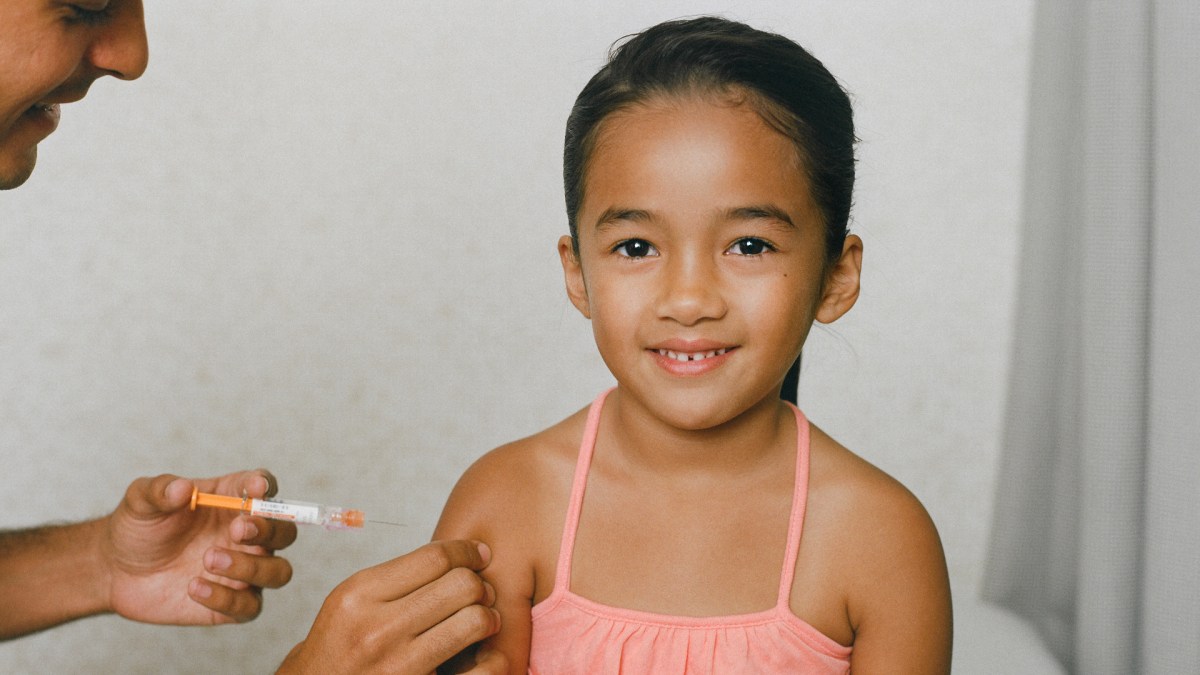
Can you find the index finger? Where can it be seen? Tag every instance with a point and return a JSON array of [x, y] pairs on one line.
[[257, 531], [257, 483], [398, 577]]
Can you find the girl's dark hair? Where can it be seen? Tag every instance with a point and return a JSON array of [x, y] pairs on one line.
[[788, 87]]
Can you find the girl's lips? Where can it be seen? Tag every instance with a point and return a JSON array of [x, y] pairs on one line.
[[691, 363]]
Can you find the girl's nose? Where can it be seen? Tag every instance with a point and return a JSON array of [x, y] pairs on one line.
[[120, 48], [691, 291]]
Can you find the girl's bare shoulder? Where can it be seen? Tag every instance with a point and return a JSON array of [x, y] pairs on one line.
[[845, 479], [515, 483], [876, 543], [848, 494]]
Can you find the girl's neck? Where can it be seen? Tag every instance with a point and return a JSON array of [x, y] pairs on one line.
[[743, 443]]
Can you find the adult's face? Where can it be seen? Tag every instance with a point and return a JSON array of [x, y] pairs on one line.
[[50, 53]]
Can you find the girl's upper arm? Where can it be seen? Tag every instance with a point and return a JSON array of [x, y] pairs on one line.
[[490, 505], [900, 596]]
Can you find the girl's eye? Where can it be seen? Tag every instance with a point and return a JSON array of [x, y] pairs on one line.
[[635, 248], [750, 246]]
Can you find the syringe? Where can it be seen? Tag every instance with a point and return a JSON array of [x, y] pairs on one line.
[[331, 517]]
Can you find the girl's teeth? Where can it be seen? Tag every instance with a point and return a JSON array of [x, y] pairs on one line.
[[684, 356]]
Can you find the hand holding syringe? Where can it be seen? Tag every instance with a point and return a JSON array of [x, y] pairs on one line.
[[331, 517]]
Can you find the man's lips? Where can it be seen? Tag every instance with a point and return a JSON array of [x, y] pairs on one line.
[[50, 106], [66, 94], [42, 117], [49, 109]]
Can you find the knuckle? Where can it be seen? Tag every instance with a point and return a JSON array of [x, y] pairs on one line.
[[436, 557], [340, 600], [373, 640], [478, 621], [284, 535], [445, 644], [466, 584], [266, 531], [243, 568], [345, 599]]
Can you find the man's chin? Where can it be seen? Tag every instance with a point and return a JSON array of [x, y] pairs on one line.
[[14, 171]]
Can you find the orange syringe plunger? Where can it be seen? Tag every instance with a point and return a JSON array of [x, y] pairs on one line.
[[330, 517]]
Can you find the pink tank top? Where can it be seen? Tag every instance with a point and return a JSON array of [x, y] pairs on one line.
[[572, 634]]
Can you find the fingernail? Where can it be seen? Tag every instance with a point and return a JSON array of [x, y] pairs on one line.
[[489, 598], [217, 561], [181, 492], [249, 529], [485, 553], [270, 486], [199, 589]]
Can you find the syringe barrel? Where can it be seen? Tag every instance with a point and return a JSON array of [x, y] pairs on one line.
[[331, 517]]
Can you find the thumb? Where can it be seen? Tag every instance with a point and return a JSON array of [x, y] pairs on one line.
[[176, 495], [151, 497]]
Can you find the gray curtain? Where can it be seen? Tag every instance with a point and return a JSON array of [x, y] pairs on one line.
[[1096, 538]]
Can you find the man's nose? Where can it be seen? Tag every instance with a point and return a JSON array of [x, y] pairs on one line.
[[120, 48]]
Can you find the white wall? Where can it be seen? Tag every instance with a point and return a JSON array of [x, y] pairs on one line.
[[319, 237]]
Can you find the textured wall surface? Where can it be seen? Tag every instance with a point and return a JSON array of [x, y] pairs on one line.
[[319, 238]]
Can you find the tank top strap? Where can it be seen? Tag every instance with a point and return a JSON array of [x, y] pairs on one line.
[[799, 502], [566, 547]]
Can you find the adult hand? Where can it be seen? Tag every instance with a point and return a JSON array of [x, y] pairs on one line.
[[169, 564], [407, 615]]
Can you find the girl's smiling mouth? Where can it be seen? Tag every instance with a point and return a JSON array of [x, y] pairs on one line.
[[697, 356], [690, 360]]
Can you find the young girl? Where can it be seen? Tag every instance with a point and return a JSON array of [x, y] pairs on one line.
[[690, 520]]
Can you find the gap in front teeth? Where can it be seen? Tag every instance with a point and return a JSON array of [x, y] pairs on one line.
[[684, 356]]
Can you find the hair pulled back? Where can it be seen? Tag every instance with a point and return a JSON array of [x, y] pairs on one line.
[[710, 56]]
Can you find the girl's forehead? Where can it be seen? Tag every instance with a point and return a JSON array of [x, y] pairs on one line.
[[660, 133], [692, 119], [690, 156]]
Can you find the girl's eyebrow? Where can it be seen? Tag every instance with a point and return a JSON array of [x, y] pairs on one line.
[[757, 211], [612, 215]]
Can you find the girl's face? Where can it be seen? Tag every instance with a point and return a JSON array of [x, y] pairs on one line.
[[701, 258]]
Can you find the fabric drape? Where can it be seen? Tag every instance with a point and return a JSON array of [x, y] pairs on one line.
[[1096, 538]]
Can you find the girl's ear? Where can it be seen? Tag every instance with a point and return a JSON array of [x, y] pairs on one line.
[[573, 274], [841, 282]]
